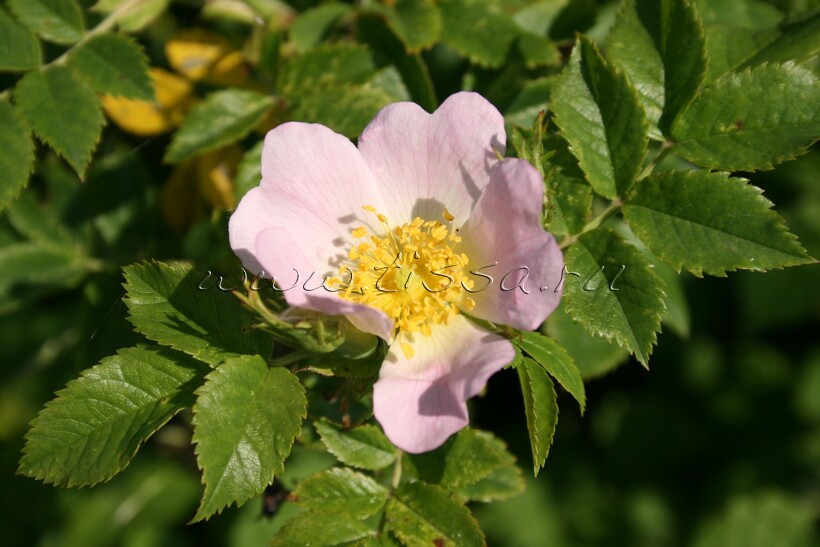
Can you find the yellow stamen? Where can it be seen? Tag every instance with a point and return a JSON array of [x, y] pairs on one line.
[[361, 231], [448, 216]]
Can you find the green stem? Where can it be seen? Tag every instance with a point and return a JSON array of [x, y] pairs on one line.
[[290, 358], [394, 482], [613, 208], [666, 147]]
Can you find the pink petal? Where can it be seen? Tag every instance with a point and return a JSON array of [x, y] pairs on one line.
[[420, 401], [505, 228], [314, 183], [424, 163]]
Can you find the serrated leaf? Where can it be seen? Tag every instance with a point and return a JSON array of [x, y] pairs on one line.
[[538, 50], [246, 418], [321, 529], [600, 116], [166, 305], [593, 355], [62, 112], [751, 120], [312, 25], [661, 48], [347, 108], [478, 29], [19, 47], [423, 514], [730, 46], [616, 293], [113, 64], [92, 430], [326, 65], [464, 459], [417, 23], [555, 360], [222, 118], [540, 408], [365, 447], [503, 483], [16, 153], [569, 194], [341, 490], [58, 21], [710, 223], [799, 39]]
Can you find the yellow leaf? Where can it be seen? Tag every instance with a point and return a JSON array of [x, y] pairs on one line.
[[179, 201], [174, 97], [215, 174], [230, 71], [195, 52]]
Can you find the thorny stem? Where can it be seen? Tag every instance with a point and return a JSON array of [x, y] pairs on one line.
[[104, 26]]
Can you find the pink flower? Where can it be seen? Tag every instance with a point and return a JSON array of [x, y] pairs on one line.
[[421, 223]]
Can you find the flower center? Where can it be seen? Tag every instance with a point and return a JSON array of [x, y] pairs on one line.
[[411, 272]]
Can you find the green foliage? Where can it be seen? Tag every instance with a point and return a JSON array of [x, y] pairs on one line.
[[555, 360], [478, 29], [113, 64], [166, 305], [246, 417], [417, 23], [601, 119], [619, 296], [423, 514], [502, 483], [341, 490], [313, 24], [132, 16], [96, 424], [320, 528], [62, 112], [465, 459], [16, 153], [364, 447], [58, 21], [540, 408], [222, 118], [710, 223], [661, 48], [751, 120], [19, 47]]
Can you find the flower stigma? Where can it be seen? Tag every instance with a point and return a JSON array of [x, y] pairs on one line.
[[412, 272]]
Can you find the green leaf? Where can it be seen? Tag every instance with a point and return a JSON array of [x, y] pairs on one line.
[[730, 46], [504, 482], [750, 14], [751, 120], [417, 23], [92, 430], [346, 108], [318, 528], [555, 360], [37, 264], [113, 64], [799, 39], [246, 418], [615, 294], [40, 224], [222, 118], [133, 16], [569, 194], [249, 172], [532, 100], [594, 356], [423, 514], [710, 223], [62, 112], [677, 308], [16, 153], [58, 21], [364, 447], [540, 408], [19, 48], [661, 47], [478, 29], [323, 66], [312, 25], [464, 459], [538, 50], [341, 490], [166, 305], [601, 118]]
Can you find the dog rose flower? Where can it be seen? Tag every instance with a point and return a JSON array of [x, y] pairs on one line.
[[419, 226]]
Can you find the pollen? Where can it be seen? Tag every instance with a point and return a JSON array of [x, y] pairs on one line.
[[413, 272]]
